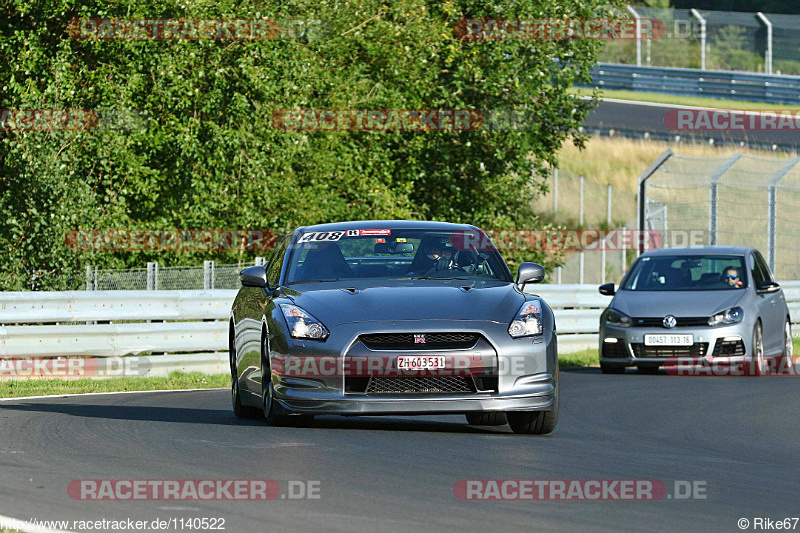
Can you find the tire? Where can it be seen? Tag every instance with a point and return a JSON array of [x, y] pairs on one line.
[[788, 347], [239, 409], [755, 366], [611, 369], [487, 419], [534, 422]]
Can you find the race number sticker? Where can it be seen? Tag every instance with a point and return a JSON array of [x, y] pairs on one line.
[[368, 232], [321, 236]]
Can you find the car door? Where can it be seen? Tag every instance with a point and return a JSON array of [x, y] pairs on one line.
[[771, 304]]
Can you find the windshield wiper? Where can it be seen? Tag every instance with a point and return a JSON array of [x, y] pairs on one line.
[[435, 277], [314, 281]]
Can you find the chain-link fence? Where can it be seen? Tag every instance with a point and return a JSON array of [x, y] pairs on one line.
[[740, 200], [752, 42], [154, 277]]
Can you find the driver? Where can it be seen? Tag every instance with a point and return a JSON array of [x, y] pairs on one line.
[[442, 257], [731, 277]]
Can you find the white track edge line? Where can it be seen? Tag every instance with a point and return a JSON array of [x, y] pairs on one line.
[[104, 393]]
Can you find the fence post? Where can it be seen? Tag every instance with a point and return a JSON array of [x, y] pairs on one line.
[[152, 276], [638, 36], [768, 53], [260, 261], [580, 215], [208, 275], [603, 240], [88, 277], [624, 257], [702, 20], [555, 192]]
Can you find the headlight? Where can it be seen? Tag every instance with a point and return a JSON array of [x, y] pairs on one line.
[[615, 318], [733, 315], [302, 325], [528, 321]]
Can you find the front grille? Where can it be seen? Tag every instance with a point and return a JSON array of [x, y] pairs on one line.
[[658, 322], [616, 350], [725, 348], [697, 349], [420, 385], [406, 341]]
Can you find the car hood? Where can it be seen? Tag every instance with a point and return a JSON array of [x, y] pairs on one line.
[[339, 306], [677, 303]]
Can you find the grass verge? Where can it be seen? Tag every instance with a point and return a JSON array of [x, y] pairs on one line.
[[46, 387], [660, 98], [588, 358]]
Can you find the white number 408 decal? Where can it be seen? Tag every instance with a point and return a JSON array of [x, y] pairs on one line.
[[319, 236]]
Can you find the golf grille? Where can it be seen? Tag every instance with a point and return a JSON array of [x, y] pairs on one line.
[[682, 322], [420, 385], [406, 341], [640, 350]]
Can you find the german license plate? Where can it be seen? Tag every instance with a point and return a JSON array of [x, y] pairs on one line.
[[420, 362], [668, 340]]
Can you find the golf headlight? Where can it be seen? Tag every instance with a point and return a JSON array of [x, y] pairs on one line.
[[528, 320], [733, 315], [302, 325], [615, 318]]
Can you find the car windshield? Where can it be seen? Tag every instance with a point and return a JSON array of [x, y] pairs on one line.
[[687, 273], [388, 253]]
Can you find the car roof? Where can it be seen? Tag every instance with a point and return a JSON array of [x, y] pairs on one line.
[[701, 250], [388, 224]]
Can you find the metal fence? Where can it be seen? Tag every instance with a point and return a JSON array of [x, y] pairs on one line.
[[154, 278], [719, 40], [738, 200]]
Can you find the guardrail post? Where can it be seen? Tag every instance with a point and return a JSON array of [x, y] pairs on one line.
[[208, 275], [88, 277], [152, 276], [260, 261]]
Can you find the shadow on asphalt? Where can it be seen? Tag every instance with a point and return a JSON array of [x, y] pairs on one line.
[[188, 415]]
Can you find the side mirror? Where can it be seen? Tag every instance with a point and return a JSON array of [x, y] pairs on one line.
[[254, 276], [607, 289], [530, 273], [767, 287]]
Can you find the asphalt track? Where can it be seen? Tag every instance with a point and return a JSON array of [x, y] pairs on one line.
[[739, 435], [642, 117]]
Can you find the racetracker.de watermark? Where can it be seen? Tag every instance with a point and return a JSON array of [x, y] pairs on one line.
[[72, 119], [557, 240], [553, 29], [734, 366], [192, 489], [578, 490], [731, 120], [147, 29], [25, 367], [183, 240], [411, 120]]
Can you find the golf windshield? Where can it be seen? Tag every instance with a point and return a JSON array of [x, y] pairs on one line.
[[687, 273]]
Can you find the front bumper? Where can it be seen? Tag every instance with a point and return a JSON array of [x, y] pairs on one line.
[[525, 372], [707, 340]]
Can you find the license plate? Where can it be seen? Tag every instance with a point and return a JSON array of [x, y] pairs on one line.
[[668, 340], [420, 362]]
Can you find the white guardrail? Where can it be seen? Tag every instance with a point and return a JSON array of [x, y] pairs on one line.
[[118, 323]]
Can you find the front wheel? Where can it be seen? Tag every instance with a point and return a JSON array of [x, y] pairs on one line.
[[534, 422], [755, 366]]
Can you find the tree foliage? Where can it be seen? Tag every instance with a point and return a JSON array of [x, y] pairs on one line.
[[210, 156]]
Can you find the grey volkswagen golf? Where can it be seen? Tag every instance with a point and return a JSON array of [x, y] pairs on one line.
[[718, 301], [393, 317]]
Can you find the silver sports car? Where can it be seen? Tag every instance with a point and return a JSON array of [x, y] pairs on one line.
[[393, 317], [718, 301]]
